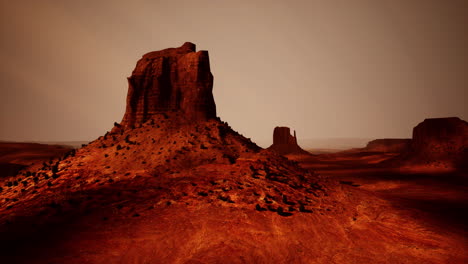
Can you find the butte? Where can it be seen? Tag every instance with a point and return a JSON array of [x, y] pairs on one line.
[[172, 183]]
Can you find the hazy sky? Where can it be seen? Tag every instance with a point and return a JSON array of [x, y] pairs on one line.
[[349, 68]]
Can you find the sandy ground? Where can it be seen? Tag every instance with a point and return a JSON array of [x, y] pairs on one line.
[[438, 198]]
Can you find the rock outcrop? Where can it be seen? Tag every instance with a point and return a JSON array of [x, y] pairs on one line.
[[171, 80], [15, 156], [389, 145], [439, 140], [440, 136], [284, 143]]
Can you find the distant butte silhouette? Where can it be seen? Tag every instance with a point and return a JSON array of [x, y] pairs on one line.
[[171, 80], [284, 143]]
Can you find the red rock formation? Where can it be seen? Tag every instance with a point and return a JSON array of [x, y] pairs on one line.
[[171, 80], [440, 136], [439, 140], [282, 135], [389, 145], [180, 188], [284, 143]]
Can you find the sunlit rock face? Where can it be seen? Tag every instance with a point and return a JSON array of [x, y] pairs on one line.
[[171, 80]]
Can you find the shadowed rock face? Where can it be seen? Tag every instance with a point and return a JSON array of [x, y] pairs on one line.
[[441, 139], [282, 135], [440, 136], [171, 80], [437, 144], [284, 143]]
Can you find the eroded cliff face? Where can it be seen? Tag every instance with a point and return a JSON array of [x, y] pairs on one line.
[[171, 80], [440, 137], [440, 142], [284, 143]]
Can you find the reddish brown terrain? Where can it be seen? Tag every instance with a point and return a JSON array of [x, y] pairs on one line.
[[172, 183], [15, 156], [424, 177]]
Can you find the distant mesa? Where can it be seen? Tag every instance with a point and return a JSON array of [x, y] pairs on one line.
[[171, 80], [285, 143], [437, 144], [397, 145]]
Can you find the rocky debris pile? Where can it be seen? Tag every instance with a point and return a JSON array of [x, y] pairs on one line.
[[284, 143]]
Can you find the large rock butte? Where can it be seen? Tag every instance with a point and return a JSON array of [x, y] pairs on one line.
[[284, 143], [171, 80], [438, 139]]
